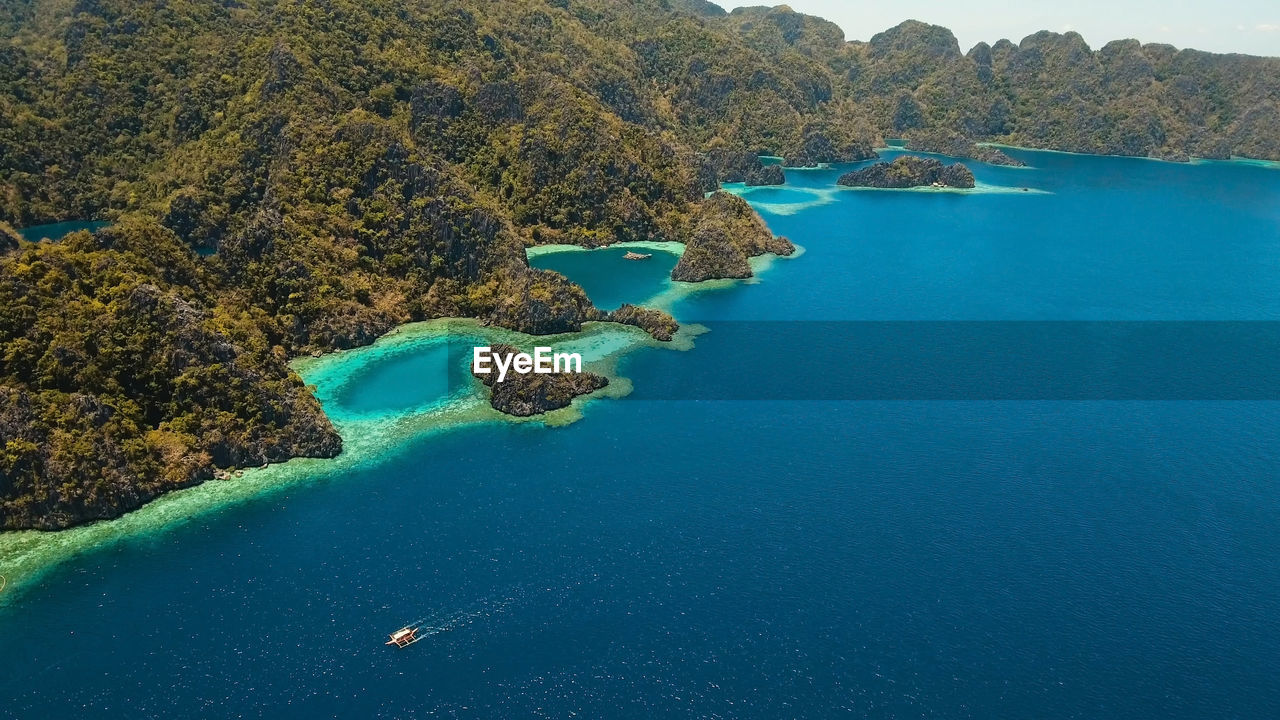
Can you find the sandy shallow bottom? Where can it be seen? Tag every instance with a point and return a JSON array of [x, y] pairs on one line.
[[674, 248], [802, 199]]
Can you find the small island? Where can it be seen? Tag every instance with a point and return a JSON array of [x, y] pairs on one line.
[[909, 171], [529, 394], [659, 324]]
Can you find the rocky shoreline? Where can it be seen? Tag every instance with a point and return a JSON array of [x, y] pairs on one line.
[[738, 166], [726, 233], [529, 394], [818, 149], [659, 324], [957, 145], [909, 171]]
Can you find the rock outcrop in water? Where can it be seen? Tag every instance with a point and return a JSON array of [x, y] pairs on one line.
[[528, 394], [909, 171], [725, 233], [660, 325]]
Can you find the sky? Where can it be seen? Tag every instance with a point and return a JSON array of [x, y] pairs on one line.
[[1243, 26]]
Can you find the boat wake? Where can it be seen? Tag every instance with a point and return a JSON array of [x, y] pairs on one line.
[[436, 624], [488, 607]]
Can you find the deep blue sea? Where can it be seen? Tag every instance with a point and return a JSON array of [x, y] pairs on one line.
[[762, 558]]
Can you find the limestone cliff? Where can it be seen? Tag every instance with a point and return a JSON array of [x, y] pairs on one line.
[[723, 234]]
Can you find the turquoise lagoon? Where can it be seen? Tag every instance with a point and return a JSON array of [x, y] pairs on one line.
[[793, 557], [609, 279]]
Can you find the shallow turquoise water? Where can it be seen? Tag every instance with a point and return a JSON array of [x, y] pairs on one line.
[[608, 279], [793, 557], [770, 194], [410, 377]]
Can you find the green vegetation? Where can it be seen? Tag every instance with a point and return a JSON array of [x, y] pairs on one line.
[[1052, 91], [528, 394], [908, 171], [957, 145], [120, 382], [295, 177], [658, 323], [723, 233], [9, 238]]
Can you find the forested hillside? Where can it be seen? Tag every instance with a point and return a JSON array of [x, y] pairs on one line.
[[291, 176]]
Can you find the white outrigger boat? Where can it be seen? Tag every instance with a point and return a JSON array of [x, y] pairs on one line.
[[404, 637]]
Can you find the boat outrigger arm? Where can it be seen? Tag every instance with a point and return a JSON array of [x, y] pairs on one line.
[[404, 637]]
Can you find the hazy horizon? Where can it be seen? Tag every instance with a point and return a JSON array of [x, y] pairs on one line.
[[1250, 27]]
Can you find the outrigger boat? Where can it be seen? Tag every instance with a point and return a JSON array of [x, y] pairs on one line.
[[404, 637], [636, 256]]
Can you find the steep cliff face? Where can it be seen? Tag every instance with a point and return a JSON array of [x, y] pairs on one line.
[[817, 149], [711, 254], [738, 166], [723, 234], [541, 302], [1052, 90]]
